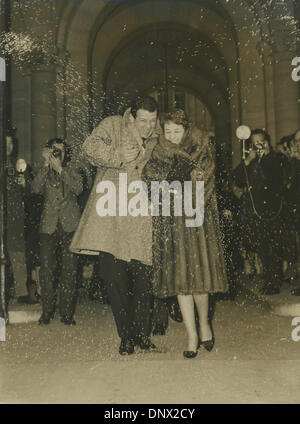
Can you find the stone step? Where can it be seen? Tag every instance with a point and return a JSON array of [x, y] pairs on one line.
[[23, 313]]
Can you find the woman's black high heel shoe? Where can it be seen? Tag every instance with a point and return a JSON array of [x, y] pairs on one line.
[[208, 344], [190, 353]]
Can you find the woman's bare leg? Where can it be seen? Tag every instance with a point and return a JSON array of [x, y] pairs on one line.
[[201, 301], [186, 303]]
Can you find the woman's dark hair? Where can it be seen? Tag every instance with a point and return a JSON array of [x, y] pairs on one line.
[[56, 140], [144, 102], [178, 116]]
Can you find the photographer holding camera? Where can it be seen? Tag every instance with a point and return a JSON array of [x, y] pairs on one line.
[[260, 177], [60, 184]]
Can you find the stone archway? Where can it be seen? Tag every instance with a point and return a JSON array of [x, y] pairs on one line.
[[250, 36], [104, 58], [169, 56], [94, 32]]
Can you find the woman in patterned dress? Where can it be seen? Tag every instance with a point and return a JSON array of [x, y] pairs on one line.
[[187, 261]]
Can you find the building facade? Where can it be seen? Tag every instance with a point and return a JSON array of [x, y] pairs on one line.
[[227, 62]]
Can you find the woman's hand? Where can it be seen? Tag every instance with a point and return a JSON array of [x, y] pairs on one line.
[[183, 154]]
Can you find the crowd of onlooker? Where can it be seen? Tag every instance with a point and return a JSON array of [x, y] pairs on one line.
[[259, 218], [260, 212]]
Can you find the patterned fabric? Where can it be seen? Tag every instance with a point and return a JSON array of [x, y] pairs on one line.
[[187, 260]]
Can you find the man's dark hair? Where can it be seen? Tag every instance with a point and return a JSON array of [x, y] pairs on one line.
[[286, 140], [56, 140], [144, 102], [264, 133]]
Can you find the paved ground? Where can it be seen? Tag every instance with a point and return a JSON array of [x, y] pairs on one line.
[[283, 303], [255, 360]]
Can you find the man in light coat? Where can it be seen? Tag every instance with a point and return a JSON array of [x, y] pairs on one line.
[[122, 145]]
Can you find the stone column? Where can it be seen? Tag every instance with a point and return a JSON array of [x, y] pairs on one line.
[[43, 108], [265, 51], [286, 93], [38, 20]]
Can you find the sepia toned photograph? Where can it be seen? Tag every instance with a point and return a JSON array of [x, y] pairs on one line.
[[150, 204]]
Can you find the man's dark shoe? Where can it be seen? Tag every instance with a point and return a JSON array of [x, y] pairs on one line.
[[126, 347], [174, 311], [68, 321], [145, 343], [28, 300], [33, 297], [268, 289], [45, 319], [159, 330]]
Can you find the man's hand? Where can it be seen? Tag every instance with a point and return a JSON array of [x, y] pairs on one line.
[[129, 153], [227, 214], [21, 180], [55, 163], [237, 191], [46, 154], [250, 157]]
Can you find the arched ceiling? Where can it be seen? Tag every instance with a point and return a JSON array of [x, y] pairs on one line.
[[196, 84], [104, 10], [108, 39], [67, 10], [143, 14], [162, 47]]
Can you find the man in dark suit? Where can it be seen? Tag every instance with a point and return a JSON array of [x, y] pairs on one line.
[[260, 177], [60, 184]]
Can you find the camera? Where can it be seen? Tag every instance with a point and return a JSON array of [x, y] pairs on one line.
[[56, 153], [260, 149], [258, 146]]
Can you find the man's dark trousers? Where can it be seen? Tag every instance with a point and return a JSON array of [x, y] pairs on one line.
[[129, 289], [67, 284]]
